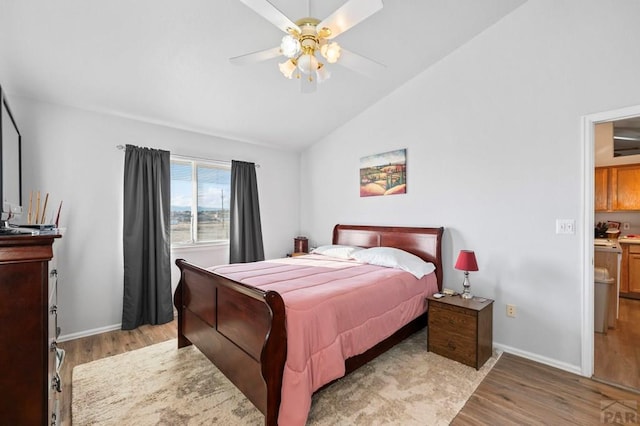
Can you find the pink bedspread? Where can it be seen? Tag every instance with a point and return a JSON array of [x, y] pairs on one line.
[[335, 309]]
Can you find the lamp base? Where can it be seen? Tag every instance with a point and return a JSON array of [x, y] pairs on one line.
[[466, 285]]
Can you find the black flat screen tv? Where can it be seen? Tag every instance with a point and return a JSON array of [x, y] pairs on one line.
[[10, 162]]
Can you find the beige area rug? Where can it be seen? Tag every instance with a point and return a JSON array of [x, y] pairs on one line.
[[161, 385]]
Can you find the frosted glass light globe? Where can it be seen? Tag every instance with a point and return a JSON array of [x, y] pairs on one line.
[[307, 63], [287, 68], [290, 46], [331, 51]]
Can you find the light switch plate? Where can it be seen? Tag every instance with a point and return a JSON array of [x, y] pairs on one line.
[[565, 226]]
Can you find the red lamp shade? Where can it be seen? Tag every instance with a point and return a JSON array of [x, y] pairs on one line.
[[467, 261]]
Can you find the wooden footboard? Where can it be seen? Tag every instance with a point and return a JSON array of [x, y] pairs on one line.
[[240, 328]]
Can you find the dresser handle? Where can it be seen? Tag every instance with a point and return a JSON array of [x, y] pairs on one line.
[[56, 383], [451, 345]]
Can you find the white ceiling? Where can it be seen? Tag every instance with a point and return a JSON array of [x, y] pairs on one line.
[[167, 61]]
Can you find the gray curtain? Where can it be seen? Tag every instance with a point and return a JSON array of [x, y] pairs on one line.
[[146, 238], [245, 240]]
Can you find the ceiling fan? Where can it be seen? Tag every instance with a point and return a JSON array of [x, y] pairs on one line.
[[309, 41]]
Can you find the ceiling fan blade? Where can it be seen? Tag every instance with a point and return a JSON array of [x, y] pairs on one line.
[[308, 85], [348, 15], [252, 58], [360, 64], [271, 14]]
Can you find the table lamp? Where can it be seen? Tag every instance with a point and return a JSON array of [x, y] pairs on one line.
[[466, 262]]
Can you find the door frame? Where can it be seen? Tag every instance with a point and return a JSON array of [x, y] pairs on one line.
[[588, 218]]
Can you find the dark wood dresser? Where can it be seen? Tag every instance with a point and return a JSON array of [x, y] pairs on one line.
[[461, 329], [28, 355]]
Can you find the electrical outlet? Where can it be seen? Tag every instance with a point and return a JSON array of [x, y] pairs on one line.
[[626, 225], [511, 311]]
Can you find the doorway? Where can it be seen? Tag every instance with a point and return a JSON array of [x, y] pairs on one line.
[[610, 356]]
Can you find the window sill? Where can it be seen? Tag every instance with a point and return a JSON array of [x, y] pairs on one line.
[[201, 246]]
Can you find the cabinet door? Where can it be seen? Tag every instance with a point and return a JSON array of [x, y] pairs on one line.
[[634, 273], [624, 269], [625, 188], [601, 188]]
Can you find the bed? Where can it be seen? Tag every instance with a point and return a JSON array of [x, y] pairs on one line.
[[242, 328]]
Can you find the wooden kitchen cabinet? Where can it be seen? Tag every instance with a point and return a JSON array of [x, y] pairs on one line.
[[625, 187], [630, 269], [617, 188], [634, 268], [601, 179], [624, 269]]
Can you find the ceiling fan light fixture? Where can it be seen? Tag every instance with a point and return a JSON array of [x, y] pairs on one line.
[[331, 51], [323, 73], [290, 46], [309, 40], [287, 68], [307, 63]]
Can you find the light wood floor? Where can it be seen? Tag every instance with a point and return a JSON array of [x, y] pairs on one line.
[[92, 348], [617, 353], [516, 391]]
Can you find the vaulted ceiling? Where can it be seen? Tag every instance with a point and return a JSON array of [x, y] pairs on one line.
[[167, 61]]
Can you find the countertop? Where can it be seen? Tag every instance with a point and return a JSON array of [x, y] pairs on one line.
[[635, 239]]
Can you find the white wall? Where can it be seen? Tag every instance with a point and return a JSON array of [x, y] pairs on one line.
[[495, 155], [72, 154]]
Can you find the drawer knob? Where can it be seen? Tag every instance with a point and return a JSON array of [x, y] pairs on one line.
[[451, 345]]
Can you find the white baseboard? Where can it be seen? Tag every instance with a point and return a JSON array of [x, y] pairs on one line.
[[86, 333], [575, 369]]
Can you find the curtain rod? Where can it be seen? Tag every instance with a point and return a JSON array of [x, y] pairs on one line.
[[122, 148]]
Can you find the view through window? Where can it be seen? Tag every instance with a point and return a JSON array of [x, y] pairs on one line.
[[203, 187]]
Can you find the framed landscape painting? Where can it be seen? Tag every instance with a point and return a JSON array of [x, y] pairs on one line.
[[384, 174]]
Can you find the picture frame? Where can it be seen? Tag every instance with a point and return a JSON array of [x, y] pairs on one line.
[[384, 174]]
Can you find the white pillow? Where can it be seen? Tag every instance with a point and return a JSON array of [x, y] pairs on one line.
[[395, 258], [336, 250]]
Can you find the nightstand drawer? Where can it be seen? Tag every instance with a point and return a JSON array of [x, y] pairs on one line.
[[449, 321], [452, 308], [455, 347]]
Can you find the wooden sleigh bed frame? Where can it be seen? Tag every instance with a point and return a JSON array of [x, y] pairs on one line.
[[241, 329]]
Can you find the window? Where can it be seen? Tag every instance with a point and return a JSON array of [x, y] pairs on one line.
[[204, 187]]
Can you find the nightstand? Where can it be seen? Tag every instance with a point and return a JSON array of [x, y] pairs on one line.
[[461, 329]]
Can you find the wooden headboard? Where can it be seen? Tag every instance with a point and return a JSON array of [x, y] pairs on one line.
[[425, 243]]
